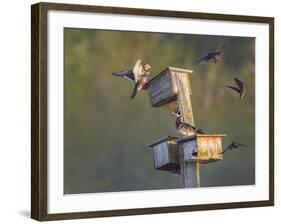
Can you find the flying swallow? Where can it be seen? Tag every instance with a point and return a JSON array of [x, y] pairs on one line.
[[214, 56], [240, 88], [184, 128], [141, 72], [233, 145]]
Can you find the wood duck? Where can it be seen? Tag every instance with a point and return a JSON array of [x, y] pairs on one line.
[[184, 128], [240, 88], [214, 56]]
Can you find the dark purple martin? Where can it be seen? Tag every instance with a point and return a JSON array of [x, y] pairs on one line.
[[233, 145], [240, 88], [213, 56]]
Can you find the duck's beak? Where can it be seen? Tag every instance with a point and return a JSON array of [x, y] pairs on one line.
[[173, 114]]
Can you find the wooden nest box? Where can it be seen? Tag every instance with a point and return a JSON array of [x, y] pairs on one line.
[[166, 156], [171, 89], [202, 148]]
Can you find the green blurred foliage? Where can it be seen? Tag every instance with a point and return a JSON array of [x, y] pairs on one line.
[[105, 132]]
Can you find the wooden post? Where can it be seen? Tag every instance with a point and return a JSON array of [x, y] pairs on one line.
[[184, 101], [188, 167]]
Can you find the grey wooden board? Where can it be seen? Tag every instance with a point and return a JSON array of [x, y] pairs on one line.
[[188, 148], [160, 89], [161, 154], [188, 168], [189, 174], [166, 138], [184, 100]]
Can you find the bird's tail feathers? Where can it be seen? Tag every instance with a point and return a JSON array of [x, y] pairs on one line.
[[200, 61], [135, 90], [199, 131]]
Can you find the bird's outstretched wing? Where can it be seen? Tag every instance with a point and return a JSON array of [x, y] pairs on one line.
[[233, 145], [230, 146], [240, 144], [234, 88], [127, 74], [135, 90], [202, 60], [219, 53], [239, 83]]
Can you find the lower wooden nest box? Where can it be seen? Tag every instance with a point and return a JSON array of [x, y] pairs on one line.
[[202, 148], [166, 154]]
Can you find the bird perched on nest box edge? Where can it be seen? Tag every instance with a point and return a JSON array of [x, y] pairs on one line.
[[139, 75], [184, 128], [214, 56], [241, 89]]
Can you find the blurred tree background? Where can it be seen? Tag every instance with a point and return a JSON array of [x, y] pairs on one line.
[[105, 132]]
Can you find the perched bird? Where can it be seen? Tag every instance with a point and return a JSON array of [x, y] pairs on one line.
[[141, 72], [241, 89], [184, 128], [233, 145], [214, 56], [138, 75]]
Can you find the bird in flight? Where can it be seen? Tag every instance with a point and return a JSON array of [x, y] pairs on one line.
[[233, 145], [240, 88], [184, 128], [213, 56], [138, 75]]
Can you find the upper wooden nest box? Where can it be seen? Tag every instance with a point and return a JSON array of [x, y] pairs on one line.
[[203, 148], [171, 89]]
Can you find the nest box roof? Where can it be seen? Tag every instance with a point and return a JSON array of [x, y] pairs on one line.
[[166, 138], [174, 69]]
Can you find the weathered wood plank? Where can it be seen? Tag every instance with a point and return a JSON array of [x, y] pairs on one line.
[[160, 89], [161, 154], [188, 168], [209, 147], [184, 101]]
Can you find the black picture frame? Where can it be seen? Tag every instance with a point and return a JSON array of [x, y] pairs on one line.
[[39, 106]]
